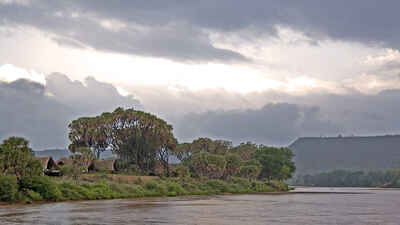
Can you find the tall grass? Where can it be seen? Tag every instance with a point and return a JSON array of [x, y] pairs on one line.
[[51, 189]]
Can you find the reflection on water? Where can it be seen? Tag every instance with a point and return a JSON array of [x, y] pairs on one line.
[[329, 206]]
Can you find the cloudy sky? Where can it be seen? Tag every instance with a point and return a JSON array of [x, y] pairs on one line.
[[261, 70]]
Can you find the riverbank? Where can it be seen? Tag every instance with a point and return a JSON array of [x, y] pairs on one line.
[[102, 186]]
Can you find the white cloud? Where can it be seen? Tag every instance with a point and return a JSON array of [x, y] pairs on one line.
[[298, 69], [11, 73]]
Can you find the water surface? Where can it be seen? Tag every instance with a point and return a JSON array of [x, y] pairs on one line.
[[310, 206]]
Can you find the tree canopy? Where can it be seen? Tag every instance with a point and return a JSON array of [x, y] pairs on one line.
[[16, 158], [136, 137], [246, 160], [276, 163], [146, 143]]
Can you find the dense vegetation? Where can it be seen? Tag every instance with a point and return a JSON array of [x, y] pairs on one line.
[[17, 158], [144, 145], [346, 178], [42, 188], [137, 137], [217, 159]]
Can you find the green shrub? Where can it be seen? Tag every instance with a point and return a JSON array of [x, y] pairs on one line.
[[140, 191], [250, 172], [175, 189], [190, 187], [181, 171], [241, 181], [101, 191], [208, 165], [42, 185], [280, 186], [156, 189], [261, 187], [218, 185], [8, 188], [32, 195], [72, 191]]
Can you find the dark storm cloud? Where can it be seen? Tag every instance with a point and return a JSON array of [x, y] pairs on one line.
[[75, 25], [276, 124], [357, 113], [240, 117], [179, 30], [42, 113], [91, 97]]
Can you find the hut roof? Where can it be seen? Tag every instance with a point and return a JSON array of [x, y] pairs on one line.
[[103, 164], [65, 162], [47, 162]]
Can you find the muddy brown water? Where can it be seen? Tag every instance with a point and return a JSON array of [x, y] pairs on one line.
[[306, 206]]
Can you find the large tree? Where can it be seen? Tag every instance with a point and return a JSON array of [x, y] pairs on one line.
[[184, 151], [16, 157], [233, 163], [276, 163], [89, 132], [137, 137], [208, 165]]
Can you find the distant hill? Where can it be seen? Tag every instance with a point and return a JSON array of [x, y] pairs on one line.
[[56, 154], [320, 154]]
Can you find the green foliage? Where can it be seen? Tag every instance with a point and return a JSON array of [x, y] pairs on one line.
[[218, 185], [33, 167], [175, 189], [276, 163], [345, 178], [250, 172], [181, 171], [137, 137], [43, 188], [208, 165], [32, 195], [246, 160], [8, 188], [233, 163], [72, 172], [16, 158], [42, 185], [245, 150], [156, 189], [261, 187]]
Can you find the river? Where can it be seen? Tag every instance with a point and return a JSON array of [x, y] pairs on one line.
[[305, 206]]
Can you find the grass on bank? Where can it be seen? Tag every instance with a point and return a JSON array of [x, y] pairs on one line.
[[41, 188]]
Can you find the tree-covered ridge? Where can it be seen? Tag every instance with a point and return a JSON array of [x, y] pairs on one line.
[[323, 154], [347, 178]]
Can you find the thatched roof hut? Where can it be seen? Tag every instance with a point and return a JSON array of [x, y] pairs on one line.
[[47, 162], [65, 162], [70, 162], [103, 165]]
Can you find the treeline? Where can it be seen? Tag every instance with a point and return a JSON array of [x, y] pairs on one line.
[[145, 144], [23, 180], [346, 178], [217, 159]]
